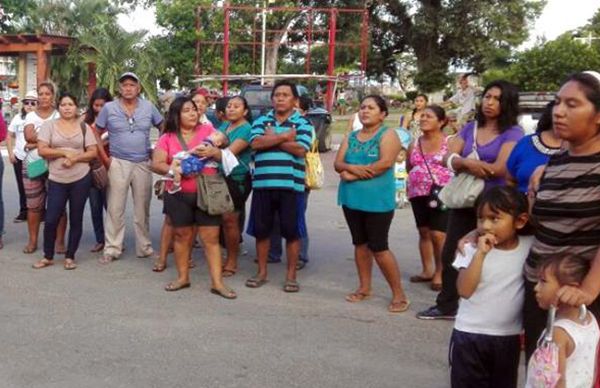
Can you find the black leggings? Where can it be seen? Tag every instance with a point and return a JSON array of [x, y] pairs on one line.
[[460, 222], [76, 193], [18, 167]]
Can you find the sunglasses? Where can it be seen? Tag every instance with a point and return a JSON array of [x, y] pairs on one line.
[[30, 103]]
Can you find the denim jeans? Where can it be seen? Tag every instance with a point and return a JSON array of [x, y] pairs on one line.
[[76, 193], [97, 207], [276, 247], [1, 199]]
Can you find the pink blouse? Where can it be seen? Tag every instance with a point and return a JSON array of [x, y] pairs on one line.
[[419, 180]]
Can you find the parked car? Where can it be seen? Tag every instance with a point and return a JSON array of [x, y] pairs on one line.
[[259, 100], [531, 106]]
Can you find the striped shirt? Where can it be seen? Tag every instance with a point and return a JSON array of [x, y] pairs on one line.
[[566, 213], [274, 168]]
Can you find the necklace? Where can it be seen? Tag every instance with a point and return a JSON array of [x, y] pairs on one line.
[[541, 147]]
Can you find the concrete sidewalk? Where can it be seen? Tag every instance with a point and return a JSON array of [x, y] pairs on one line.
[[114, 326]]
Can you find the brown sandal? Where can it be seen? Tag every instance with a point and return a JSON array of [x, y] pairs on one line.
[[159, 267], [399, 307], [69, 264], [357, 296], [42, 264]]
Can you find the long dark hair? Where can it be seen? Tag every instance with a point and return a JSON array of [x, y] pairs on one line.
[[98, 94], [417, 96], [248, 115], [509, 105], [172, 124], [545, 121]]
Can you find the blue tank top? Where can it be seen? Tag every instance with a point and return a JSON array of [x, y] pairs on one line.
[[370, 195]]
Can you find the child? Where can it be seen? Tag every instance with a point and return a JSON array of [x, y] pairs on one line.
[[576, 336], [485, 346], [190, 164]]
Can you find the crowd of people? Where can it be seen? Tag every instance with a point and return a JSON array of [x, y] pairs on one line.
[[525, 245]]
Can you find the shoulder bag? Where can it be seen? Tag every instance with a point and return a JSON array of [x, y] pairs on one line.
[[314, 174], [99, 172], [464, 188], [36, 168]]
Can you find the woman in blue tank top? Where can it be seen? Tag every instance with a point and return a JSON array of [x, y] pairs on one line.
[[366, 193]]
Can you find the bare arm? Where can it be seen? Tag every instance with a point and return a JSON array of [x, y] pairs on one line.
[[47, 152], [10, 146], [30, 137], [271, 139], [411, 148], [159, 162], [389, 148], [565, 349], [351, 171], [469, 278], [90, 153], [294, 148]]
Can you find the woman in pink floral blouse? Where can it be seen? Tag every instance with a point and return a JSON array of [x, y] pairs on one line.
[[427, 174]]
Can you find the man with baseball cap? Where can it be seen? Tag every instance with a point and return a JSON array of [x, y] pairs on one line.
[[128, 121]]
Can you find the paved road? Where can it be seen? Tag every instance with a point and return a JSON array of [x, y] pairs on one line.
[[114, 326]]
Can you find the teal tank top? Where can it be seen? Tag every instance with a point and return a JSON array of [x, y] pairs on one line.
[[370, 195]]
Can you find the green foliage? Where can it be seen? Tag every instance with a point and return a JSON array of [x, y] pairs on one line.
[[545, 67], [14, 14]]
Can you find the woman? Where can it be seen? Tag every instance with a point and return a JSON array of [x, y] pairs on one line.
[[365, 163], [413, 121], [427, 171], [99, 97], [199, 96], [35, 188], [493, 134], [532, 151], [237, 128], [68, 145], [183, 131], [565, 212], [15, 143]]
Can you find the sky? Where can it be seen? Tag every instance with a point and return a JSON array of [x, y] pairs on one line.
[[558, 16]]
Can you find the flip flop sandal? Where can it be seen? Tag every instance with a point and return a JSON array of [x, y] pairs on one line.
[[29, 250], [107, 259], [42, 264], [225, 292], [399, 307], [420, 279], [227, 273], [174, 286], [158, 267], [69, 264], [291, 286], [357, 297], [255, 282]]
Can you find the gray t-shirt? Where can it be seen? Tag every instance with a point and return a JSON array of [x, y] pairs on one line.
[[50, 133], [129, 137]]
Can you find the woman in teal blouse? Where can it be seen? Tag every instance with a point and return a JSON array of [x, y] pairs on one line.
[[366, 193], [237, 128]]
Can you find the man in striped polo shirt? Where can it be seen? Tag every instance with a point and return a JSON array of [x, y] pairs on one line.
[[280, 139]]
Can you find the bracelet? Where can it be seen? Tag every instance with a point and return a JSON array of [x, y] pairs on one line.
[[449, 161]]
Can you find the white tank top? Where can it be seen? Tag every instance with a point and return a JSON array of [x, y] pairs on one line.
[[581, 364]]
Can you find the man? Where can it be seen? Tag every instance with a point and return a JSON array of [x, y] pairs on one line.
[[280, 139], [128, 120], [275, 250], [464, 99]]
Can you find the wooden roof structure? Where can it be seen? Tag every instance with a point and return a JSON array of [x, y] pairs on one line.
[[43, 46]]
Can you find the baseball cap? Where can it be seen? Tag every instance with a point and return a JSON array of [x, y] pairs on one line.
[[30, 95], [130, 75]]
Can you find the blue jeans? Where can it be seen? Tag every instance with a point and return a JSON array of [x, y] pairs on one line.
[[1, 199], [76, 193], [97, 207], [276, 248]]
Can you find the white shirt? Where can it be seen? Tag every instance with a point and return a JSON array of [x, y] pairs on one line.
[[465, 99], [495, 306], [582, 362], [37, 121], [356, 124], [17, 126]]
